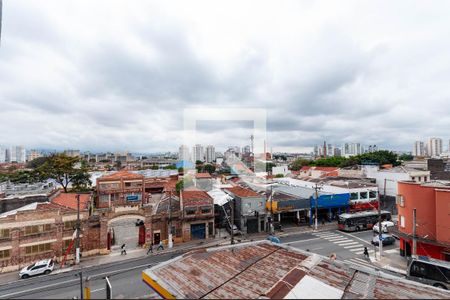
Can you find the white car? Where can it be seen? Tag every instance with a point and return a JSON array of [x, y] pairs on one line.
[[41, 267], [385, 225]]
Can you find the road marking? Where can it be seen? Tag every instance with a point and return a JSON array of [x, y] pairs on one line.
[[351, 235], [347, 243], [391, 251], [327, 235], [359, 261], [339, 239], [352, 246], [301, 241], [98, 290], [72, 280]]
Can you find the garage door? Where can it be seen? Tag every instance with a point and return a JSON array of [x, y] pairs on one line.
[[252, 226], [198, 231]]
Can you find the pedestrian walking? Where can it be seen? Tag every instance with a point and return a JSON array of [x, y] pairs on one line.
[[160, 246], [124, 250], [150, 248], [366, 252]]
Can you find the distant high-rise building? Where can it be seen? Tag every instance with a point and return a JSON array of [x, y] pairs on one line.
[[247, 149], [17, 154], [418, 149], [72, 153], [210, 154], [183, 153], [197, 153], [33, 154], [434, 147], [2, 154]]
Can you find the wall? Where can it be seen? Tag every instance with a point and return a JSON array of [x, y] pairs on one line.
[[15, 203], [443, 216], [423, 199]]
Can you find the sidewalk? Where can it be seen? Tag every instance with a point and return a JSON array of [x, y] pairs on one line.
[[392, 262]]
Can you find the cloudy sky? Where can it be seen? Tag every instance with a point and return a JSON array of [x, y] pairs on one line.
[[117, 75]]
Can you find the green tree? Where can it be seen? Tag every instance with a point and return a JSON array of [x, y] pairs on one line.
[[37, 162], [64, 170], [279, 176], [170, 167], [406, 157], [154, 167], [118, 165], [209, 168], [299, 163]]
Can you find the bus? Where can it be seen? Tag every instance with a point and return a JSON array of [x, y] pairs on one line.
[[361, 220], [429, 271]]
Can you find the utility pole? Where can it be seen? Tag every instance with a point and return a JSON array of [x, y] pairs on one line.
[[170, 221], [80, 274], [77, 248], [380, 229], [414, 249], [232, 220], [316, 188], [271, 211]]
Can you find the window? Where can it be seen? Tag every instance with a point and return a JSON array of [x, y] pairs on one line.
[[104, 198], [372, 194], [4, 233], [413, 178], [362, 195], [5, 254], [190, 211], [70, 224], [35, 229], [260, 204], [400, 201], [353, 196], [402, 221], [38, 248], [206, 210]]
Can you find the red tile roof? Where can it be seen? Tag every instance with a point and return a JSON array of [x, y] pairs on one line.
[[196, 198], [325, 168], [241, 192], [305, 168], [202, 175], [51, 207], [70, 200], [121, 175]]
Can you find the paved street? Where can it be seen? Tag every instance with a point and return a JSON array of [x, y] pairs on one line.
[[347, 246], [125, 276]]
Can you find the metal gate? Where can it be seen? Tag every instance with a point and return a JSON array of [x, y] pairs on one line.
[[198, 231], [252, 226]]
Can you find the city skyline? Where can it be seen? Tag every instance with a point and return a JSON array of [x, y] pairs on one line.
[[96, 91]]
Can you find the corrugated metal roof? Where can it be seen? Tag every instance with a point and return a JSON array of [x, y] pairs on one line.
[[265, 270]]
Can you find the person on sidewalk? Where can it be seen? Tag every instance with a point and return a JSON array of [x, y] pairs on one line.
[[124, 250], [160, 246], [366, 253], [150, 248]]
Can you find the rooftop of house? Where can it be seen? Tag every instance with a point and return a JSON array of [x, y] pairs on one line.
[[203, 175], [265, 270], [36, 206], [163, 205], [121, 175], [70, 200], [196, 197], [242, 192]]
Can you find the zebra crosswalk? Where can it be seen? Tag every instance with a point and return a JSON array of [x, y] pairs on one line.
[[360, 261], [344, 241]]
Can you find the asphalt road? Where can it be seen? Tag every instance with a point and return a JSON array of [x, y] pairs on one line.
[[125, 276]]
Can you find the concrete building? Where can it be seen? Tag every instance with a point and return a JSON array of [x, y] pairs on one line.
[[2, 154], [418, 149], [432, 203], [390, 177], [33, 154], [249, 209], [121, 189], [198, 153], [280, 170], [183, 153], [197, 214], [434, 147], [44, 230], [72, 153], [17, 154], [203, 181], [210, 154]]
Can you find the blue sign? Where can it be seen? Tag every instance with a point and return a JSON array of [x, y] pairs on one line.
[[133, 198]]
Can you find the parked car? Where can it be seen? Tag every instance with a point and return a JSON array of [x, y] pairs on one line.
[[386, 225], [41, 267], [387, 239], [236, 231]]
